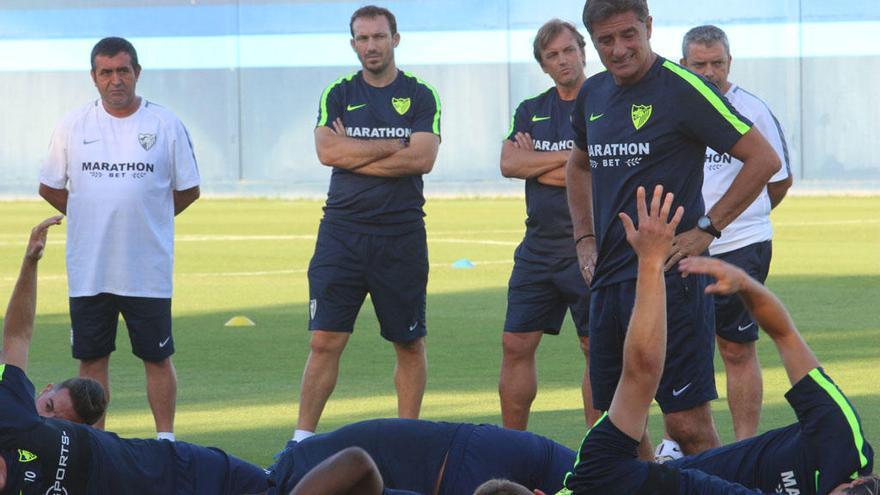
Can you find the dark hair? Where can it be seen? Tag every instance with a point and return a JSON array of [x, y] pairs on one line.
[[110, 47], [550, 30], [373, 11], [501, 487], [870, 486], [87, 395], [705, 35], [600, 10]]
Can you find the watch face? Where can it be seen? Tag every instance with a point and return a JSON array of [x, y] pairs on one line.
[[704, 223]]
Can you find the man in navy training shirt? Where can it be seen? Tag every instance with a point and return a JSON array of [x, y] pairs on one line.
[[824, 452], [47, 455], [545, 280], [647, 121], [379, 130]]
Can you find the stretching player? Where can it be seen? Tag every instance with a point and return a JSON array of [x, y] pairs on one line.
[[41, 455], [433, 458], [823, 453]]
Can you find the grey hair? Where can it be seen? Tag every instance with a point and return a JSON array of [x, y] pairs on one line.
[[600, 10], [705, 35]]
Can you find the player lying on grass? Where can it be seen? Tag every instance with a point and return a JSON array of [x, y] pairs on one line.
[[80, 400], [825, 452], [52, 456], [431, 458]]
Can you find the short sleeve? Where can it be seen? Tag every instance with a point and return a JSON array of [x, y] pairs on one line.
[[186, 169], [519, 121], [579, 119], [705, 114], [427, 111], [54, 170], [331, 106], [17, 408], [772, 130]]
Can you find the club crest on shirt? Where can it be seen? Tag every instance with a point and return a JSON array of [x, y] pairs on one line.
[[147, 140], [641, 114], [25, 456], [401, 104]]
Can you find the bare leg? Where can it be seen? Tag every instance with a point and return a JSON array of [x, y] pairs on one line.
[[98, 369], [646, 449], [591, 415], [745, 390], [518, 383], [693, 429], [319, 377], [410, 377], [162, 393]]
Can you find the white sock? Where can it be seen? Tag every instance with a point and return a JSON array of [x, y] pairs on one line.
[[300, 435], [668, 450], [165, 435]]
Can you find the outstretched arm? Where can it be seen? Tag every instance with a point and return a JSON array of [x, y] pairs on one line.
[[18, 325], [768, 311], [351, 471], [644, 350]]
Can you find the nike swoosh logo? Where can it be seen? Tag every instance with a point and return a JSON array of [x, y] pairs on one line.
[[535, 118], [594, 117], [741, 328], [355, 107], [676, 393], [90, 142], [164, 342], [413, 326]]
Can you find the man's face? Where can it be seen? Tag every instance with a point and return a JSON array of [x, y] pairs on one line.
[[56, 403], [710, 61], [374, 43], [115, 78], [563, 60], [622, 42]]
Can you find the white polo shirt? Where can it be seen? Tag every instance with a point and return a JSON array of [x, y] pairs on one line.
[[753, 225], [121, 174]]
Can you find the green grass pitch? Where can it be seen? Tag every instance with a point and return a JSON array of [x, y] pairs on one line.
[[238, 386]]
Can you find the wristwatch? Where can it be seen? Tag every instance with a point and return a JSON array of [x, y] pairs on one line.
[[704, 223]]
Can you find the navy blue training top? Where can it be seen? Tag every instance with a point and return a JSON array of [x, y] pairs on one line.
[[652, 132], [547, 118], [378, 205]]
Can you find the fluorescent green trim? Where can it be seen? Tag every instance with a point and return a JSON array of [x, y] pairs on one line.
[[577, 459], [436, 126], [2, 371], [513, 117], [324, 116], [847, 410], [710, 95], [817, 481], [510, 131]]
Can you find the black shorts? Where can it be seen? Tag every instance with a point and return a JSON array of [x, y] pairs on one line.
[[94, 320], [689, 376], [540, 291], [732, 321], [348, 265]]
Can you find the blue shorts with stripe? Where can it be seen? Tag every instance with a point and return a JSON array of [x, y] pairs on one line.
[[732, 321]]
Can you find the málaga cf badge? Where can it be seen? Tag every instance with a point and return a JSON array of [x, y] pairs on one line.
[[401, 105], [147, 140], [641, 114]]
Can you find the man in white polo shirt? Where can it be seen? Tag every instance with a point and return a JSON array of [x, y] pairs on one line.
[[121, 168], [746, 242]]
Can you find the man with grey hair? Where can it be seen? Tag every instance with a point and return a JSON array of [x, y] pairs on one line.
[[745, 242], [545, 282], [648, 121]]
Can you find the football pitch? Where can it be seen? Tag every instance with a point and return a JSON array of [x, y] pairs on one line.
[[238, 386]]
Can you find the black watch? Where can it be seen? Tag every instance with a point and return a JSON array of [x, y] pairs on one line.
[[704, 223]]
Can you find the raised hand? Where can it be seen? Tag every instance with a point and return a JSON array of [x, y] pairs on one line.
[[37, 242], [728, 278], [652, 239]]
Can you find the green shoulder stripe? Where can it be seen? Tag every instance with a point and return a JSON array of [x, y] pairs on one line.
[[710, 95], [577, 460], [436, 125], [323, 120], [847, 410], [2, 370], [513, 117]]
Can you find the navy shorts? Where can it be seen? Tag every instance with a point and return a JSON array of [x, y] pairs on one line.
[[348, 265], [94, 320], [732, 321], [479, 453], [540, 291], [689, 376], [207, 470]]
